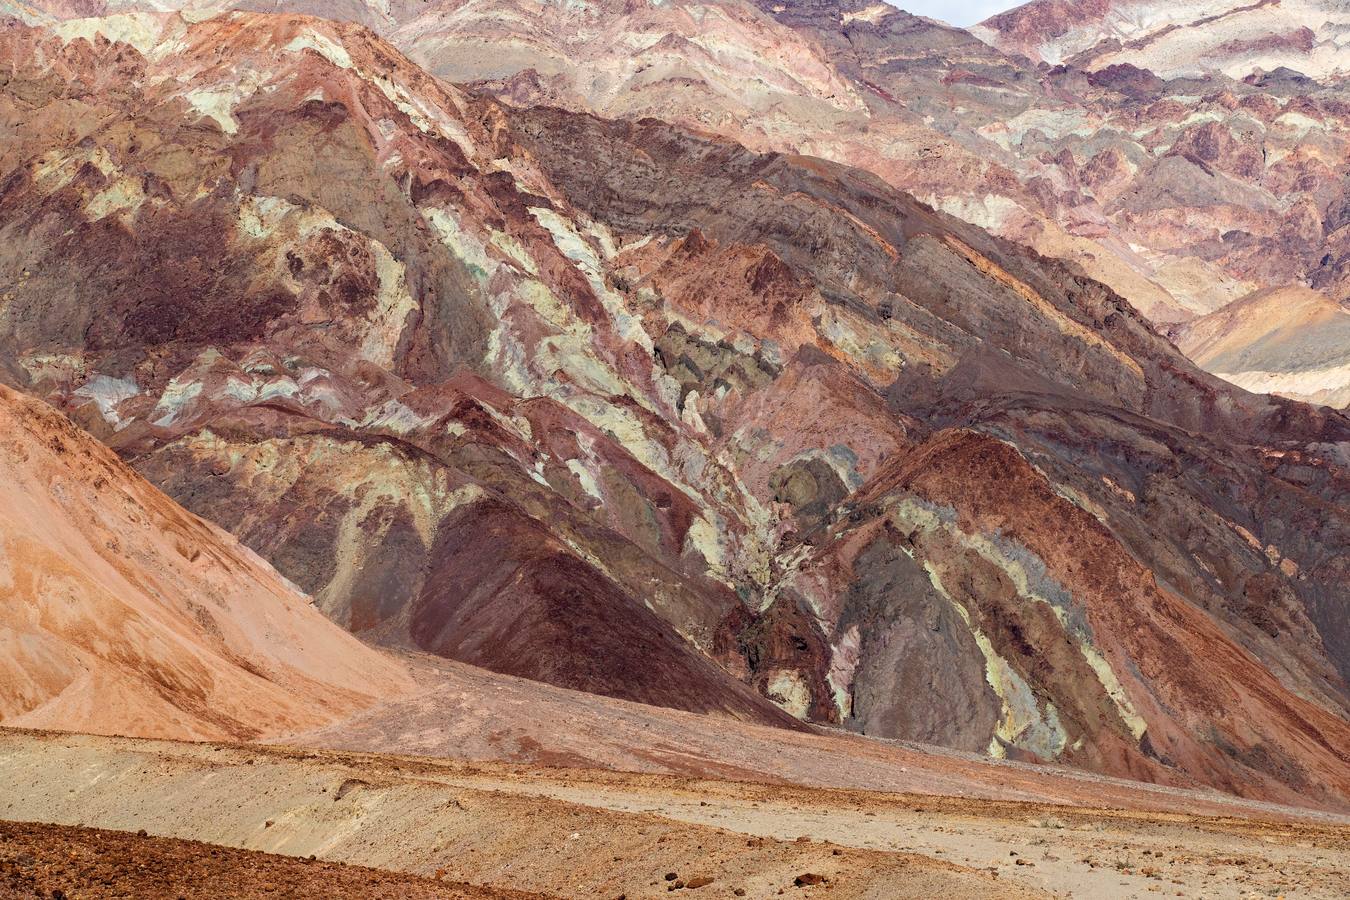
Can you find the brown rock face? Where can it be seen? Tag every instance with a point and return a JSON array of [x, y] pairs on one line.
[[508, 596], [1186, 156], [627, 408]]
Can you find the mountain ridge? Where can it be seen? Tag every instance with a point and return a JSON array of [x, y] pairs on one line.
[[377, 314], [1182, 193]]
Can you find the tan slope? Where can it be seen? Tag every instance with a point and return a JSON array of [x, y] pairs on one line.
[[1290, 340], [122, 613]]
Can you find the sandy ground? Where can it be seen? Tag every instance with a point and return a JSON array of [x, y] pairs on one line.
[[583, 833], [463, 712], [1081, 852]]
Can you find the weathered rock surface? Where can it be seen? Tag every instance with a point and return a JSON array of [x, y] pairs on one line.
[[1185, 177], [1196, 38], [301, 355], [635, 410]]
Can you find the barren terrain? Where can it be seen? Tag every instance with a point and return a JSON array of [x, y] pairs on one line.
[[578, 832], [50, 860], [635, 411], [665, 473]]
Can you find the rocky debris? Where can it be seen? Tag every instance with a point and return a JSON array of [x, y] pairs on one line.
[[348, 785], [59, 861]]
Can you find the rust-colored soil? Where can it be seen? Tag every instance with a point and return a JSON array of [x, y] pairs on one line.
[[61, 861]]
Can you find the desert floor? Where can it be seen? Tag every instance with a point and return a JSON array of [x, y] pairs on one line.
[[492, 828]]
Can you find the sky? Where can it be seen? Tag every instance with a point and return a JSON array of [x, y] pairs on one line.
[[957, 12]]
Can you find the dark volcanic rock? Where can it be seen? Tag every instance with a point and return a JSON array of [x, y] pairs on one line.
[[506, 595]]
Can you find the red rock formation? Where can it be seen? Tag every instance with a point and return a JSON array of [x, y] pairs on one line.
[[599, 402]]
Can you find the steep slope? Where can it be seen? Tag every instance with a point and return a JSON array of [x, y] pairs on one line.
[[292, 350], [1293, 342], [857, 82], [863, 83], [1228, 138], [1181, 195], [127, 615], [629, 397]]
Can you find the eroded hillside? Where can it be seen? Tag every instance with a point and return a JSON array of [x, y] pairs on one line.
[[627, 409]]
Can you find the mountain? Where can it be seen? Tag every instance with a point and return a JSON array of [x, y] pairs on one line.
[[296, 354], [125, 614], [1182, 194], [916, 102], [627, 408], [100, 567], [1193, 39]]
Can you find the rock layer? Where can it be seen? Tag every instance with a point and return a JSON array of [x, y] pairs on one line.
[[1185, 177], [639, 410]]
